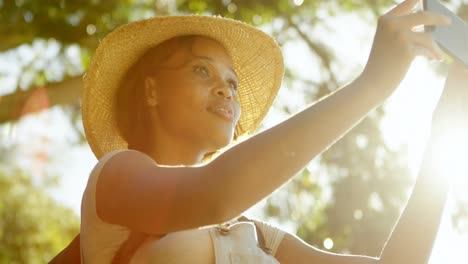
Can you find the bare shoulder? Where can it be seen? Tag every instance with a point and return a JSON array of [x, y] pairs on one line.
[[132, 190], [122, 166], [114, 171], [124, 159]]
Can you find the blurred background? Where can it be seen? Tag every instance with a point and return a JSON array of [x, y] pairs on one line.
[[347, 200]]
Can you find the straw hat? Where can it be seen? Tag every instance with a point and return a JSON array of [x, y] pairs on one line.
[[256, 57]]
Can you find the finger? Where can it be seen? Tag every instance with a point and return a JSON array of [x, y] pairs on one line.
[[403, 8], [424, 18], [424, 45], [420, 51], [426, 41], [459, 66]]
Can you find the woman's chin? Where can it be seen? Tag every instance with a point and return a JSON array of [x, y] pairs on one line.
[[220, 143]]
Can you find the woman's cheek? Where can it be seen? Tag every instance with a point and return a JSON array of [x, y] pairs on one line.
[[238, 111]]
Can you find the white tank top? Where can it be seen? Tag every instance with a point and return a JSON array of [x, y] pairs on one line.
[[101, 240]]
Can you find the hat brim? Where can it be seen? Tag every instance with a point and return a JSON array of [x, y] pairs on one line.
[[256, 57]]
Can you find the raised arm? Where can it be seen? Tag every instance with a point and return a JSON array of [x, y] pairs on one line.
[[280, 152], [158, 199], [412, 239]]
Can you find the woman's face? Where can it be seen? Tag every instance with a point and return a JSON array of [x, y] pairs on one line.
[[196, 94]]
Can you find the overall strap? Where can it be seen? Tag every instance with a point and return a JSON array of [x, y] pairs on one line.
[[135, 239], [260, 237], [129, 247]]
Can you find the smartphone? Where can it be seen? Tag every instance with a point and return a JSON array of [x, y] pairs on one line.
[[453, 38]]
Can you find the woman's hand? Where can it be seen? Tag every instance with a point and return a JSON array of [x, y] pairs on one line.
[[396, 44]]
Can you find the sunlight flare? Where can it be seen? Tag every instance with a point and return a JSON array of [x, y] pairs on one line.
[[452, 162]]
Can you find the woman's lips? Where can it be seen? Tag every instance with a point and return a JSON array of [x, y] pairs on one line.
[[224, 111]]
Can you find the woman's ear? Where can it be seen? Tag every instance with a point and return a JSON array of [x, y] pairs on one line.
[[150, 91]]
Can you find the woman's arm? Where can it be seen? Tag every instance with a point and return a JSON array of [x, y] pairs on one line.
[[267, 160], [134, 191], [294, 250], [412, 238]]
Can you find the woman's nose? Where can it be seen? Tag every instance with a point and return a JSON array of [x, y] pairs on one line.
[[224, 91]]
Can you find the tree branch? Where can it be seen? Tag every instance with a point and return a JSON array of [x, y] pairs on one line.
[[318, 49], [20, 103]]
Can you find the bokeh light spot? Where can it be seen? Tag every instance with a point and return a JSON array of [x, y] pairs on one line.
[[298, 2], [362, 141], [358, 214], [328, 243], [232, 8], [28, 17], [91, 29], [257, 19]]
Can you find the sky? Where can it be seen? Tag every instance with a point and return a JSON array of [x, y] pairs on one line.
[[407, 121]]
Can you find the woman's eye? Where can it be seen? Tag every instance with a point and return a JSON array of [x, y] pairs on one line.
[[201, 70], [233, 85]]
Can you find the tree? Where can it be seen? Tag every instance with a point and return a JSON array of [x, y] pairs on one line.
[[33, 227], [84, 23]]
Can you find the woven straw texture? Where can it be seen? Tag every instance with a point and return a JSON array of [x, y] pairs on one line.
[[256, 56]]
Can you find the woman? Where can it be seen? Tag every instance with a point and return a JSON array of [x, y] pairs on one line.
[[163, 95]]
